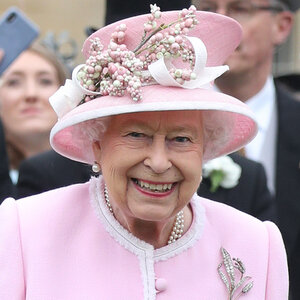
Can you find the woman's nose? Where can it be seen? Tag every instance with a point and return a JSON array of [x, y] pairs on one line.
[[30, 92], [158, 158]]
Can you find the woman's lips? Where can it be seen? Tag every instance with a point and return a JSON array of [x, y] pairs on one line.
[[156, 189], [30, 111]]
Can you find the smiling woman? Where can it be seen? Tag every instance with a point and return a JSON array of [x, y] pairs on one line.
[[24, 107], [161, 171], [142, 111]]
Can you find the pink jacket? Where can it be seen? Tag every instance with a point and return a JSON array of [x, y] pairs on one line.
[[66, 245]]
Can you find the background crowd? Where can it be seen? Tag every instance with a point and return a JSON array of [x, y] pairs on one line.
[[269, 186]]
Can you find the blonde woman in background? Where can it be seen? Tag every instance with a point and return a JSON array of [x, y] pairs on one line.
[[27, 116]]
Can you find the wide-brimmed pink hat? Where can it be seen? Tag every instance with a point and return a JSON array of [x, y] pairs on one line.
[[164, 61]]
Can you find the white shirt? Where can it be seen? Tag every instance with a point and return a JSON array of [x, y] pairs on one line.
[[263, 148], [14, 175]]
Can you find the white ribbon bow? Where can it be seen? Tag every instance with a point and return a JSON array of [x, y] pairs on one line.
[[159, 70], [66, 98]]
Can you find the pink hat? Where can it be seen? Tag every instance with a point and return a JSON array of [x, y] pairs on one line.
[[140, 64]]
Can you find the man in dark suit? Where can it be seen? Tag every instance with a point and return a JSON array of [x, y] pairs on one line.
[[50, 170], [266, 25], [6, 186]]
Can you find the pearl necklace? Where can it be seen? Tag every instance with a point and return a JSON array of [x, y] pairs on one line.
[[177, 230]]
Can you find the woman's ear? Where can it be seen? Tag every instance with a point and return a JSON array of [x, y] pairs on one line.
[[282, 27], [97, 151]]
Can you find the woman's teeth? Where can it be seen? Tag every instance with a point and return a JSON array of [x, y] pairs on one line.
[[154, 187]]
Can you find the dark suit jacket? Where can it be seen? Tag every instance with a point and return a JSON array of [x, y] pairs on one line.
[[251, 195], [6, 186], [295, 270], [50, 170], [288, 167], [288, 181], [47, 171]]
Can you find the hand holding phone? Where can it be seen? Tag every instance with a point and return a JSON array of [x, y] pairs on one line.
[[17, 32]]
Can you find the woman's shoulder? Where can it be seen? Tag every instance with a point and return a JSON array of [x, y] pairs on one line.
[[220, 215], [239, 231], [49, 204]]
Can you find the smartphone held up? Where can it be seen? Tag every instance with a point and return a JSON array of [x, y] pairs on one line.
[[17, 32]]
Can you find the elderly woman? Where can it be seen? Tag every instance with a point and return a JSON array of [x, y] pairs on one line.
[[142, 111]]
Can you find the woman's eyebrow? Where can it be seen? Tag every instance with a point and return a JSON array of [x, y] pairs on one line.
[[185, 128], [13, 73]]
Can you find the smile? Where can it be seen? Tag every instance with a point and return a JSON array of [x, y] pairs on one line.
[[152, 187]]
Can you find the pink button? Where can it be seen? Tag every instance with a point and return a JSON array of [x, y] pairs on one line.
[[161, 284]]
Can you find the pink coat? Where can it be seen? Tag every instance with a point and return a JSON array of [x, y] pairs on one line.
[[65, 245]]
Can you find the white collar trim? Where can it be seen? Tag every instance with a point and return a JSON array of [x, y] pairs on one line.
[[134, 244]]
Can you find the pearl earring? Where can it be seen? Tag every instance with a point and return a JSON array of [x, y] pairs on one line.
[[96, 167]]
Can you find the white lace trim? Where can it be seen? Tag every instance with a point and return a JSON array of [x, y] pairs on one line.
[[144, 251], [189, 238]]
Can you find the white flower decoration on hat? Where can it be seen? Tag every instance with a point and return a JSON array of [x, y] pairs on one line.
[[118, 70]]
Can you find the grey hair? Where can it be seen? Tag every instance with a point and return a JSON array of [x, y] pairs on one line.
[[215, 135], [92, 130]]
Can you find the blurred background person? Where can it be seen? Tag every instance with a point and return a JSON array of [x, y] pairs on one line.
[[266, 25], [26, 114]]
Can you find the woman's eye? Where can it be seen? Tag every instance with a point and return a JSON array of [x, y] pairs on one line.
[[46, 81], [136, 134], [182, 139], [12, 82]]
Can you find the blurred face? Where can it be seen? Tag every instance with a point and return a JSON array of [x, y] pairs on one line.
[[151, 162], [24, 92], [263, 29]]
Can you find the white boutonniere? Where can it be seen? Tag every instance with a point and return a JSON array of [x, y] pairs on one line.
[[222, 171]]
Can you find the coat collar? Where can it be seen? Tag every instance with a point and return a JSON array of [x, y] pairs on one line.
[[132, 243]]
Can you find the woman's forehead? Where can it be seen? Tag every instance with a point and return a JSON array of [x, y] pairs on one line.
[[30, 62], [156, 119]]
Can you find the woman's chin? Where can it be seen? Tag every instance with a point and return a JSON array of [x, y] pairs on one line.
[[151, 205], [151, 214], [36, 128]]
